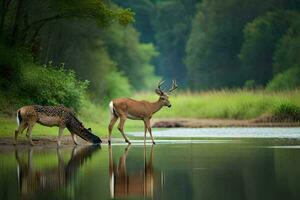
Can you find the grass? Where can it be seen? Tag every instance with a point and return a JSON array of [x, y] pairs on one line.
[[225, 104]]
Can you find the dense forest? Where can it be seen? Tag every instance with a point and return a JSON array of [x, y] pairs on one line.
[[61, 51]]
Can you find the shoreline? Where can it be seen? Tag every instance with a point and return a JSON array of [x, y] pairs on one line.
[[219, 123], [7, 143]]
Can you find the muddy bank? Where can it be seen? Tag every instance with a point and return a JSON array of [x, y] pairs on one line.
[[7, 143], [215, 123]]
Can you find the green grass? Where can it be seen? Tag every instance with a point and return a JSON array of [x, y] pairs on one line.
[[225, 104]]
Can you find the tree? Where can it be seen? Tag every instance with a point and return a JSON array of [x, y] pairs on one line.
[[288, 47], [24, 19], [216, 39], [260, 39]]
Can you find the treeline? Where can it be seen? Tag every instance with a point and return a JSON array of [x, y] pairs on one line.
[[58, 51], [53, 51], [244, 43], [213, 44], [166, 24]]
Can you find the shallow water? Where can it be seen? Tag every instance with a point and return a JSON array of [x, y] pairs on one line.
[[218, 168], [226, 132]]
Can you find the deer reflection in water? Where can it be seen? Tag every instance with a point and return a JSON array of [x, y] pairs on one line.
[[32, 180], [139, 183]]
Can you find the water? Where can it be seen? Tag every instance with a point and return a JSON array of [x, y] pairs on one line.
[[186, 168], [227, 132]]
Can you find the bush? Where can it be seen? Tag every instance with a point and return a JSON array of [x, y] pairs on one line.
[[117, 85], [287, 111], [51, 86], [287, 80], [250, 85]]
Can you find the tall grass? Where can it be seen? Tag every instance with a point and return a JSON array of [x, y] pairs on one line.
[[224, 104]]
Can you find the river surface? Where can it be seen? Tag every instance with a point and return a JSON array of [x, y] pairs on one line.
[[191, 167]]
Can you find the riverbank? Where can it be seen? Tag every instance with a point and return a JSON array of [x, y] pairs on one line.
[[219, 123]]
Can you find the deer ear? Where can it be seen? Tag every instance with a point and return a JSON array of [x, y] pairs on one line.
[[157, 91]]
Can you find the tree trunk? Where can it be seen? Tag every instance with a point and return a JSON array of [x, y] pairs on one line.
[[5, 5], [14, 34]]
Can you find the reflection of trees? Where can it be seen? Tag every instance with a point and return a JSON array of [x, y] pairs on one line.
[[140, 183], [33, 180]]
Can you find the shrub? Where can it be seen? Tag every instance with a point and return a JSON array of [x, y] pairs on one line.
[[287, 111], [51, 86], [249, 84], [287, 80]]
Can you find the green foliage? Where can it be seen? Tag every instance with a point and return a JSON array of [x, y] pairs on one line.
[[250, 85], [260, 38], [224, 104], [34, 84], [287, 80], [166, 24], [49, 86], [288, 48], [22, 20], [117, 85], [216, 48], [132, 57], [287, 111]]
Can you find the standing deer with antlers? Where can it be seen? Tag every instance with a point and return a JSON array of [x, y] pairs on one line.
[[124, 108]]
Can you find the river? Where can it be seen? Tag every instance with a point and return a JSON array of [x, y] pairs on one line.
[[227, 164]]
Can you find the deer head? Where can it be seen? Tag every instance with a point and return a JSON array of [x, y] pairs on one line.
[[164, 96]]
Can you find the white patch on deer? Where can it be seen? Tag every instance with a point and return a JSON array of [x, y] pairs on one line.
[[111, 108], [18, 121], [112, 185]]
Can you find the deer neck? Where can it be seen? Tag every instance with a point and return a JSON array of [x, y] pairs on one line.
[[156, 106]]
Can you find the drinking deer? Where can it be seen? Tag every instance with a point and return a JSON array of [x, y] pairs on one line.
[[33, 180], [124, 108], [60, 116]]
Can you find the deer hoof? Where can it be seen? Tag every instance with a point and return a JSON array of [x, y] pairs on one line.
[[153, 142], [128, 141]]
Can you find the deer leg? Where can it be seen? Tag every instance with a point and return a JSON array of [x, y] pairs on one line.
[[150, 130], [111, 172], [145, 131], [30, 152], [110, 127], [29, 133], [60, 133], [121, 129], [61, 163], [151, 155], [74, 139], [20, 129]]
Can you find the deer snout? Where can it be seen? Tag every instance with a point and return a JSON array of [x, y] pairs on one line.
[[169, 106]]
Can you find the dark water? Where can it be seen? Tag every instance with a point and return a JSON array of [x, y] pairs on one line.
[[201, 170]]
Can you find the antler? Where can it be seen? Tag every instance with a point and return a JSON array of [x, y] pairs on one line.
[[174, 86], [159, 84], [159, 89]]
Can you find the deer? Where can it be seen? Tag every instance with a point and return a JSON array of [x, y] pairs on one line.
[[32, 179], [127, 108], [142, 182], [60, 116]]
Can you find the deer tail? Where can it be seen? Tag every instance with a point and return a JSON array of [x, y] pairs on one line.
[[112, 109], [19, 117]]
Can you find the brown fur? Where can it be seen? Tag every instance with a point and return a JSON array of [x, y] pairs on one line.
[[32, 179], [138, 183], [52, 116], [124, 108]]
